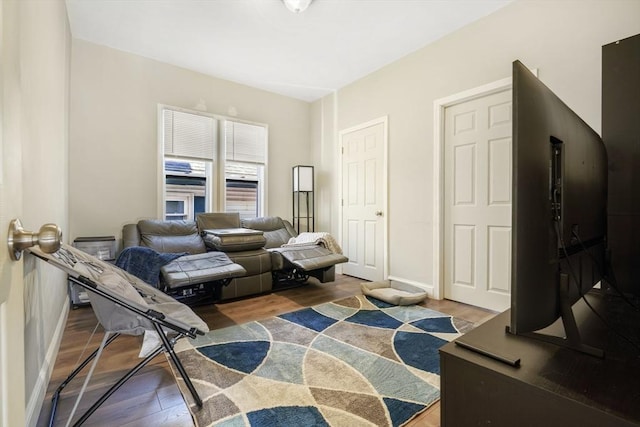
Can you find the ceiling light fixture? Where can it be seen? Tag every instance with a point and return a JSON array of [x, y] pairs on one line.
[[297, 6]]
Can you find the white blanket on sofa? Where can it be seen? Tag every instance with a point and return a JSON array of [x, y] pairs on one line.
[[320, 238]]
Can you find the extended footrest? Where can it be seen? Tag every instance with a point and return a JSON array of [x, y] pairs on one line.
[[310, 257], [193, 278], [298, 262]]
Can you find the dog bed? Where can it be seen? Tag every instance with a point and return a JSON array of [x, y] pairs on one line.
[[394, 292]]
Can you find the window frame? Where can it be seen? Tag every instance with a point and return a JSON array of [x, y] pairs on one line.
[[229, 156], [183, 197], [216, 179]]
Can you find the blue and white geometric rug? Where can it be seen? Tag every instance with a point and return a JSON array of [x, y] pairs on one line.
[[352, 362]]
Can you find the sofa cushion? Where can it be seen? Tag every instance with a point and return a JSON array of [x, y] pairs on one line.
[[276, 238], [277, 231], [171, 236], [217, 220], [233, 239]]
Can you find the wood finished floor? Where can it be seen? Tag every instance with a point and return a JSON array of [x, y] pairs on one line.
[[151, 397]]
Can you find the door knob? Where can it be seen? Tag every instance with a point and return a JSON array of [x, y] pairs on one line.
[[378, 213], [19, 239]]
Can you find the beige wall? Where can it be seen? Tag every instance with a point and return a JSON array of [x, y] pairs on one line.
[[111, 160], [323, 128], [36, 45], [562, 39], [113, 134]]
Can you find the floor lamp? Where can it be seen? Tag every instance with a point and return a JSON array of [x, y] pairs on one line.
[[303, 197]]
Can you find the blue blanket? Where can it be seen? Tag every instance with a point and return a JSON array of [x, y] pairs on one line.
[[145, 263]]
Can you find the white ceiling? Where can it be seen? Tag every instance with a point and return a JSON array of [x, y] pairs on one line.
[[262, 44]]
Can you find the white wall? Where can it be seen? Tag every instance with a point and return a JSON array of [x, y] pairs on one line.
[[113, 134], [563, 39], [35, 52]]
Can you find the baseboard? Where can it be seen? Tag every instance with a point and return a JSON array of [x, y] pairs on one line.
[[34, 405], [428, 288]]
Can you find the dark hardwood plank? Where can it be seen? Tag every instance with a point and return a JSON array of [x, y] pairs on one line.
[[152, 397]]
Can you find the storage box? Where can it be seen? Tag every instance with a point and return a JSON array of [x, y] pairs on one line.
[[101, 247]]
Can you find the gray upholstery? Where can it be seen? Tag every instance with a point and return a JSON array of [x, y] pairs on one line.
[[130, 235], [310, 257], [255, 262], [314, 259], [218, 220], [249, 285], [277, 231], [257, 279], [233, 239], [181, 276], [252, 245], [116, 282], [171, 236], [200, 268]]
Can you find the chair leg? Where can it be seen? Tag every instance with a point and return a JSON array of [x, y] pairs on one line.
[[108, 339], [117, 385], [104, 343], [72, 375], [176, 361]]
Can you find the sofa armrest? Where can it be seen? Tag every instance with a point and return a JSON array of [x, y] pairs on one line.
[[130, 235]]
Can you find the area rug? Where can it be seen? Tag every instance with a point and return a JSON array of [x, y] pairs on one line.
[[352, 362]]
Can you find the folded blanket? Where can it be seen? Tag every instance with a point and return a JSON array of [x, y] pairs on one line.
[[145, 263], [320, 238]]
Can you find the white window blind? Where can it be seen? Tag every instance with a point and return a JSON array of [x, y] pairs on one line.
[[189, 135], [241, 171], [245, 142]]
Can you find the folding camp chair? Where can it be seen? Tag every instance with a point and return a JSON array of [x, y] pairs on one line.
[[124, 304]]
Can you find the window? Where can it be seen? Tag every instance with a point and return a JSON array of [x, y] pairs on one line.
[[245, 156], [185, 188], [189, 146], [178, 206], [243, 189]]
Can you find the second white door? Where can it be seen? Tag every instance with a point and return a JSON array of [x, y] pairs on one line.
[[477, 201], [363, 200]]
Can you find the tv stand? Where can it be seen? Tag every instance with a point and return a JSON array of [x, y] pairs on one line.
[[572, 337], [553, 385]]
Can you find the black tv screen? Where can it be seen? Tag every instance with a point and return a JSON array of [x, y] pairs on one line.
[[559, 212]]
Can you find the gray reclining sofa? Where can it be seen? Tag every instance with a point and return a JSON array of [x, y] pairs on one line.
[[251, 249]]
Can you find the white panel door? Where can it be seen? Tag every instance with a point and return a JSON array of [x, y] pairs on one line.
[[12, 311], [363, 198], [477, 201]]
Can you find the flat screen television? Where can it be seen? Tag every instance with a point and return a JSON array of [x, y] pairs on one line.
[[559, 211]]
